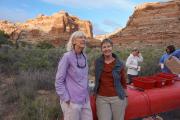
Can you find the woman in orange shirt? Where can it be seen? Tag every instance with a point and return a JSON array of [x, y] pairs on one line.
[[110, 85]]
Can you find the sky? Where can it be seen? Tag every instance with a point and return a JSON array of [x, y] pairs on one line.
[[105, 15]]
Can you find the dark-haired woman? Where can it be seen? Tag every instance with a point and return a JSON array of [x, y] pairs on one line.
[[170, 51], [110, 84]]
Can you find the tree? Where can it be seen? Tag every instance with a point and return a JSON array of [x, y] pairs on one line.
[[4, 38]]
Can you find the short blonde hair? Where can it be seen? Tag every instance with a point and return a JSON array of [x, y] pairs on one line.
[[73, 37]]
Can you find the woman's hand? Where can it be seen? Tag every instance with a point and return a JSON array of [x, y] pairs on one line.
[[68, 102], [125, 90]]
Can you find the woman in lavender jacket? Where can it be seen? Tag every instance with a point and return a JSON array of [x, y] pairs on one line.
[[72, 80]]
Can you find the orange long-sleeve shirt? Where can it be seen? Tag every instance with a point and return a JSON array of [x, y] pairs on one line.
[[107, 87]]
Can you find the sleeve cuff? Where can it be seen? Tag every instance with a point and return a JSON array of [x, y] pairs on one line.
[[65, 97]]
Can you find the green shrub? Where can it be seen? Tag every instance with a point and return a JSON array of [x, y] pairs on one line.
[[31, 107], [151, 60], [16, 60], [10, 95], [40, 108], [92, 55], [4, 38], [44, 45]]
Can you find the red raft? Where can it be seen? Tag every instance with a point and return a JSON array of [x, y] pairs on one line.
[[150, 101]]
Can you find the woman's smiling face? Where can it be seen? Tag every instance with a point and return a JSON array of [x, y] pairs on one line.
[[106, 49], [79, 44]]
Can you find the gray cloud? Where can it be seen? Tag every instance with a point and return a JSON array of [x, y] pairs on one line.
[[111, 23], [97, 30]]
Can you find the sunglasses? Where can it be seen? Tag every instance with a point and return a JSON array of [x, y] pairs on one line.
[[78, 65]]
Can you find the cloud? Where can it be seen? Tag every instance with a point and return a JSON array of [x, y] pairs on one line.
[[94, 4], [97, 30], [111, 23], [13, 15]]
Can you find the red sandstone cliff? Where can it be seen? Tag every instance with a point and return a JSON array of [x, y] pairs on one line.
[[56, 28], [152, 23]]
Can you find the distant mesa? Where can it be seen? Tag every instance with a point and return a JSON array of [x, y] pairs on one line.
[[108, 35], [56, 28]]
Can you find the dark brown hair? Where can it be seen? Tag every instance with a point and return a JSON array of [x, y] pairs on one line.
[[107, 41], [171, 49]]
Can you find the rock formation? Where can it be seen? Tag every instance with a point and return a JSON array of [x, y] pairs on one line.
[[104, 36], [55, 29], [152, 23]]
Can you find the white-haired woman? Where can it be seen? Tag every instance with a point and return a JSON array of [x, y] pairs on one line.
[[72, 80]]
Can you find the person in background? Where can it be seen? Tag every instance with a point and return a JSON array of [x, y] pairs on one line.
[[72, 80], [132, 64], [110, 84], [170, 51], [176, 53]]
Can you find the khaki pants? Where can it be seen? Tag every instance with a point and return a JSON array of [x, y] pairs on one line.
[[110, 108], [76, 111]]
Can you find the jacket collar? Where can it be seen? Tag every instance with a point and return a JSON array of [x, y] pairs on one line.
[[118, 63]]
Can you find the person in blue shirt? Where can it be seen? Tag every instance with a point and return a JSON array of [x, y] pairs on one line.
[[170, 51], [176, 54]]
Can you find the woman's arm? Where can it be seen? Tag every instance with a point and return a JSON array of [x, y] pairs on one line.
[[61, 77], [176, 53], [123, 78], [162, 59], [130, 65], [140, 58]]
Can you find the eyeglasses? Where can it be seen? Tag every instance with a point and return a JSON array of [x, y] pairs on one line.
[[78, 65]]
